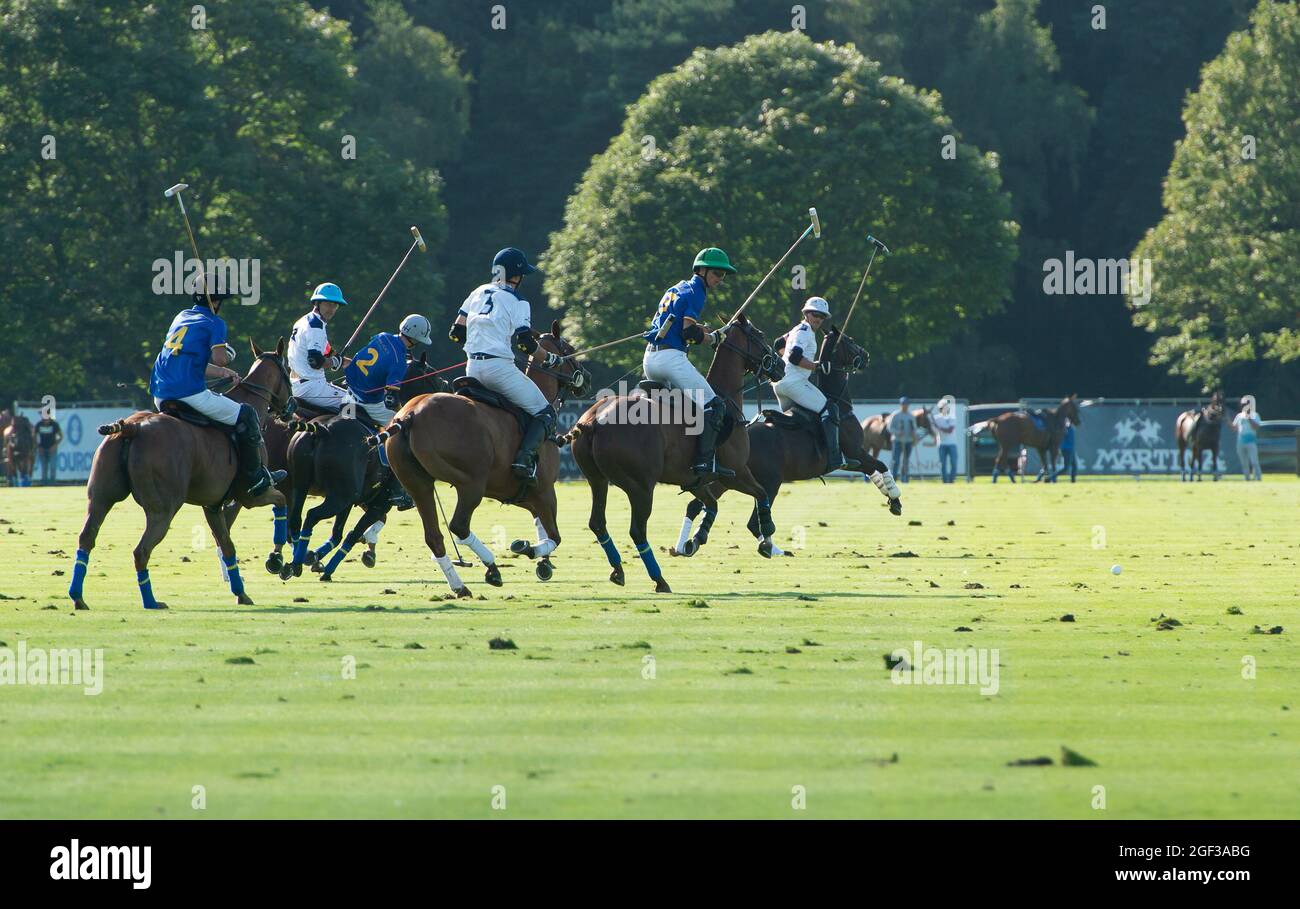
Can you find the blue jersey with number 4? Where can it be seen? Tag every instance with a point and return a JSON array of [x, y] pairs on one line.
[[381, 362], [684, 299], [178, 371]]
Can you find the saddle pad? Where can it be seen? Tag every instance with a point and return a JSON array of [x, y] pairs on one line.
[[476, 391]]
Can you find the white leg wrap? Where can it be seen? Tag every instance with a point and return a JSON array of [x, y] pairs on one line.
[[885, 483], [542, 535], [225, 572], [544, 548], [685, 534], [449, 572], [478, 548], [371, 535], [776, 550]]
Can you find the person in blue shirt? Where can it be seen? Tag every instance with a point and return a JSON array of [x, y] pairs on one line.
[[195, 351], [676, 323], [1067, 451], [374, 374]]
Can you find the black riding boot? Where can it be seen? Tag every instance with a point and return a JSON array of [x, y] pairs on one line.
[[540, 427], [835, 459], [706, 461], [394, 490], [248, 442]]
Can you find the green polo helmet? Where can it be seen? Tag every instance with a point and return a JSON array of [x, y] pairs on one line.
[[713, 258]]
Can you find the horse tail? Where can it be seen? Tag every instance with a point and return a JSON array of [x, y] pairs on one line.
[[978, 428], [393, 429], [579, 429], [305, 426], [120, 428]]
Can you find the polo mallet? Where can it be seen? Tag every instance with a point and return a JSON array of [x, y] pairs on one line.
[[460, 560], [815, 228], [176, 191], [419, 241], [875, 246]]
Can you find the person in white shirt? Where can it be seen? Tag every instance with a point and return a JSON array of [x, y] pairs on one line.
[[796, 387], [493, 323], [945, 427], [310, 352], [1246, 424]]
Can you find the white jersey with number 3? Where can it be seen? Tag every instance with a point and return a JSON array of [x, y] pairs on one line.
[[493, 313]]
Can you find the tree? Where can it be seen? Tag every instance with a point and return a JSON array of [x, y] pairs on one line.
[[745, 139], [1225, 258], [250, 103]]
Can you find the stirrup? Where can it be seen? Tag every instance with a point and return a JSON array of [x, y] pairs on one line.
[[524, 470], [711, 467], [402, 501], [264, 480]]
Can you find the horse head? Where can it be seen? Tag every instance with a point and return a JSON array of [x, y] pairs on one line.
[[568, 376], [268, 379], [745, 343], [419, 379], [1069, 408], [845, 353]]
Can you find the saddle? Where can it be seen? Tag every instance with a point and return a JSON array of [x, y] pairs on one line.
[[795, 418], [182, 411], [304, 411], [477, 391], [1038, 418]]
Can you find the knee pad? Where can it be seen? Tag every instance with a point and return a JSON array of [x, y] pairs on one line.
[[831, 412], [247, 421], [548, 416], [715, 411]]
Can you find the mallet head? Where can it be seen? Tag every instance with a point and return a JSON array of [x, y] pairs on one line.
[[816, 223], [415, 232], [880, 246], [171, 191]]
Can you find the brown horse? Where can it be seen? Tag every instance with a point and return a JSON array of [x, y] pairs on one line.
[[651, 446], [1017, 428], [165, 462], [470, 445], [19, 450], [1199, 430], [783, 448], [875, 434]]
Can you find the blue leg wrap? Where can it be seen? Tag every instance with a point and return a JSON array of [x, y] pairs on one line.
[[232, 569], [611, 552], [78, 574], [338, 558], [646, 552], [281, 524], [324, 549], [300, 547], [146, 589]]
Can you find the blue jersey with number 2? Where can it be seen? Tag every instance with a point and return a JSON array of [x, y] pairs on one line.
[[381, 362]]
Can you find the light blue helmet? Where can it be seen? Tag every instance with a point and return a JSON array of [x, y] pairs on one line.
[[329, 292]]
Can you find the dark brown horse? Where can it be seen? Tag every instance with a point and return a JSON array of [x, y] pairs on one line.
[[636, 453], [784, 448], [470, 445], [165, 462], [1199, 430], [19, 451], [1017, 428]]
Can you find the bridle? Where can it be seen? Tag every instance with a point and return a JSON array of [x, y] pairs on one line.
[[576, 380], [286, 409], [765, 365], [857, 362]]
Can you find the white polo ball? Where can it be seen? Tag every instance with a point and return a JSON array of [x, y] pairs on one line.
[[1115, 569]]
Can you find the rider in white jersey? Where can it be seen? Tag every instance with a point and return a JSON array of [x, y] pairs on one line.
[[310, 352], [493, 323]]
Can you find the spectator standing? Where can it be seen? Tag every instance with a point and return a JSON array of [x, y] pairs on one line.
[[1246, 425], [902, 428], [944, 422], [48, 436], [1067, 451]]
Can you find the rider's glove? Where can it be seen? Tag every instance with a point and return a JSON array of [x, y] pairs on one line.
[[315, 359], [717, 336], [230, 355], [335, 362], [390, 398]]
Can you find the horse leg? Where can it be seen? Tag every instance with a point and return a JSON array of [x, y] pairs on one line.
[[317, 556], [157, 523], [467, 500], [226, 546], [373, 515], [543, 507], [371, 536], [997, 463], [333, 506], [599, 485], [1214, 453], [419, 484], [108, 485], [641, 498]]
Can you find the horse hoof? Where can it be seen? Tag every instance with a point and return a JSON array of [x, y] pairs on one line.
[[464, 594], [895, 506], [286, 572], [690, 548], [544, 570], [368, 559], [765, 549], [296, 568], [157, 606], [312, 559], [493, 575], [522, 547], [326, 576], [244, 600], [661, 586], [79, 604], [617, 576], [317, 566], [274, 562]]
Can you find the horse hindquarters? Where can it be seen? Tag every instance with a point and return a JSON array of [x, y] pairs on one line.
[[109, 484]]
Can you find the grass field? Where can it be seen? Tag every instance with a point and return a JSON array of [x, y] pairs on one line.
[[773, 678]]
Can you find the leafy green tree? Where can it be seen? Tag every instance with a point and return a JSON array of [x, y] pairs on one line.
[[745, 139], [1225, 256], [251, 106]]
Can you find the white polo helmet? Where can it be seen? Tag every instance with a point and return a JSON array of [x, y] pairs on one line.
[[818, 305], [416, 327]]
